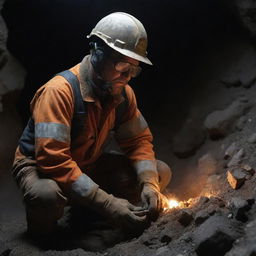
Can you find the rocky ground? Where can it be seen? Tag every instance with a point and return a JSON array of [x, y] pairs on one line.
[[212, 157], [210, 147]]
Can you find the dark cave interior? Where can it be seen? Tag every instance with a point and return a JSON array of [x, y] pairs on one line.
[[50, 36], [194, 46]]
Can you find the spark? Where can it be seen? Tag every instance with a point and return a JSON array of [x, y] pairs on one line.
[[171, 203]]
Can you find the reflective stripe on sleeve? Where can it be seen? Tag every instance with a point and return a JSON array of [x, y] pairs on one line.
[[132, 128], [83, 190], [145, 165], [59, 132]]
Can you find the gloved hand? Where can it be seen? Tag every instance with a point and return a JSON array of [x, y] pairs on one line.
[[85, 192], [120, 211], [152, 199]]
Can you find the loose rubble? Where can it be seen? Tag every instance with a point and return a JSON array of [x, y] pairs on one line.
[[236, 177], [219, 123], [237, 158], [220, 152]]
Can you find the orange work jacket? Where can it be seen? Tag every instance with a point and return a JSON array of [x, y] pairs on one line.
[[64, 160]]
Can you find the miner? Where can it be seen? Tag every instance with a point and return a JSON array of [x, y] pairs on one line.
[[61, 158]]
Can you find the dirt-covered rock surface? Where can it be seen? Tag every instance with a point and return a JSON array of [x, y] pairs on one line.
[[217, 211], [210, 147]]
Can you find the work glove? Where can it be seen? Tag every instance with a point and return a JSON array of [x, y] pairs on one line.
[[151, 197], [153, 200], [119, 211]]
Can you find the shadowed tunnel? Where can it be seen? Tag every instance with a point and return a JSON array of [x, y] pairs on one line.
[[50, 36], [192, 44]]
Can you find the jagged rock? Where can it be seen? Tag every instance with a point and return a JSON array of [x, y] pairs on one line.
[[241, 123], [203, 215], [162, 250], [218, 201], [189, 139], [186, 237], [238, 174], [5, 60], [207, 165], [165, 239], [76, 252], [13, 75], [245, 245], [218, 244], [237, 158], [219, 123], [236, 177], [155, 237], [252, 138], [237, 202], [246, 10], [3, 39], [4, 249], [151, 243], [248, 80], [232, 80], [215, 236], [239, 208], [185, 218], [251, 201], [204, 211], [249, 170], [246, 76], [198, 202], [203, 200], [230, 151], [240, 75]]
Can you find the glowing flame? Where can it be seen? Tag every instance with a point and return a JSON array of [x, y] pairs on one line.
[[173, 203], [170, 203]]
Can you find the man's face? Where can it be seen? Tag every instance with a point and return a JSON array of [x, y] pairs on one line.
[[112, 71]]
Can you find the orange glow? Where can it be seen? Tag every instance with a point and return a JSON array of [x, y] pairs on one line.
[[171, 203]]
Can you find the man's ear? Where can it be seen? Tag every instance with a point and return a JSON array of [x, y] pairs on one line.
[[97, 56]]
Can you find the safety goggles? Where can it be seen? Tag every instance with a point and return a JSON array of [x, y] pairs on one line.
[[124, 67]]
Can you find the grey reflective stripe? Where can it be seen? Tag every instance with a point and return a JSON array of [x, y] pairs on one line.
[[145, 165], [83, 188], [132, 128], [59, 132]]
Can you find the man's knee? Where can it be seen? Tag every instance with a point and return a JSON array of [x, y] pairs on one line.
[[44, 206], [165, 174], [45, 194]]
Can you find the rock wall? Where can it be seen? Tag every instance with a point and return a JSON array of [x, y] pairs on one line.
[[199, 148], [246, 11]]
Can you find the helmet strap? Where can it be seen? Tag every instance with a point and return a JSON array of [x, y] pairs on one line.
[[100, 87], [97, 57]]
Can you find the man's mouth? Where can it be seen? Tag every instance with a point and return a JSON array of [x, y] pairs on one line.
[[120, 82]]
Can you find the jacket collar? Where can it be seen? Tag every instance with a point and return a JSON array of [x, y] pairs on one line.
[[85, 73]]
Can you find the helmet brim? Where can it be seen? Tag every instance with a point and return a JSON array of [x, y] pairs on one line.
[[132, 55], [125, 52]]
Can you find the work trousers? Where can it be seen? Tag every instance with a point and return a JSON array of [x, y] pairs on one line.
[[44, 200]]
